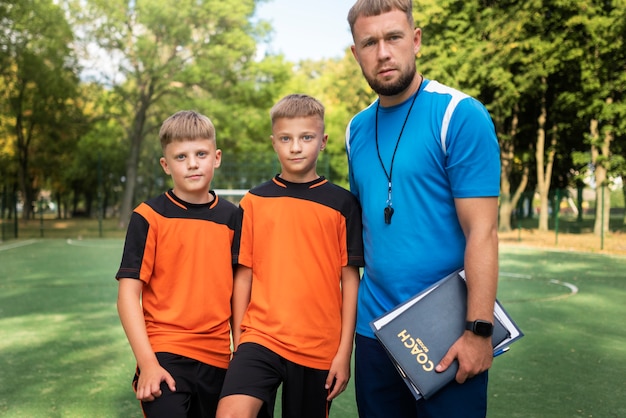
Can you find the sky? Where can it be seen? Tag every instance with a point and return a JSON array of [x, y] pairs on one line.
[[308, 29]]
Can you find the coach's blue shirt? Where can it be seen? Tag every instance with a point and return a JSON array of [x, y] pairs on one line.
[[448, 150]]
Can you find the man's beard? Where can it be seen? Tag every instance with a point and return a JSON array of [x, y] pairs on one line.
[[384, 89]]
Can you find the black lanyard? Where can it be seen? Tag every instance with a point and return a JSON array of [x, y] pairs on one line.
[[389, 208]]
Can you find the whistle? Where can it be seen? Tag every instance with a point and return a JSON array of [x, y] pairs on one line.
[[388, 214]]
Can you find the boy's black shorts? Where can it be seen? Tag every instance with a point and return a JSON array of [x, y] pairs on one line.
[[198, 386], [257, 371]]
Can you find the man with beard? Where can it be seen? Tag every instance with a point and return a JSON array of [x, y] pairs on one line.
[[424, 163]]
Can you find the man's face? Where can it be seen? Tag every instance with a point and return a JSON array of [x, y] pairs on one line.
[[385, 47]]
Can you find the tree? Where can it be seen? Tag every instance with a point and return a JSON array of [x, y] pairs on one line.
[[602, 69], [166, 52], [92, 173], [39, 75], [475, 47]]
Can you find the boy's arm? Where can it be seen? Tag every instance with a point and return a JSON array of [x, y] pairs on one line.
[[131, 315], [339, 372], [242, 287]]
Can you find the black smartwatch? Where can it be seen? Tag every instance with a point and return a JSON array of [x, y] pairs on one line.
[[480, 327]]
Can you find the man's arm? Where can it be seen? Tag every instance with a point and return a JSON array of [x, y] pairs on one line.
[[131, 315], [479, 219], [242, 287], [339, 372]]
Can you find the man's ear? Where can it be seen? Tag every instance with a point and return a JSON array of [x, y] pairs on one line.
[[354, 54], [417, 40]]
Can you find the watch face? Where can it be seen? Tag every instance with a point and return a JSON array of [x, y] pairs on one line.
[[483, 328]]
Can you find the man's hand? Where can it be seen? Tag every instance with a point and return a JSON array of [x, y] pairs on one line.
[[474, 354]]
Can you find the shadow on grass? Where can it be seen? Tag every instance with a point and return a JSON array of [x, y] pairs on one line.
[[64, 353], [566, 365]]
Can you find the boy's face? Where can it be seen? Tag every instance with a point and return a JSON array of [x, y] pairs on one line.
[[298, 142], [191, 165]]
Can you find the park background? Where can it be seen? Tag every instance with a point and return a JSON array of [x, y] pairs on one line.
[[85, 85]]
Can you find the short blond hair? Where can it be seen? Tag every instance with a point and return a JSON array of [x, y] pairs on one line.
[[186, 125], [377, 7], [297, 106]]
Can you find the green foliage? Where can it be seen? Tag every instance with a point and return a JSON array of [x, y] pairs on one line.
[[193, 54], [147, 59], [39, 73], [514, 55]]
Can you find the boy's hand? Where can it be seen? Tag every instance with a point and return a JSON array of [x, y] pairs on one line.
[[338, 377], [149, 384]]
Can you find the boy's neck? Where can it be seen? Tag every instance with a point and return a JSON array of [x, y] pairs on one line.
[[299, 179], [195, 198]]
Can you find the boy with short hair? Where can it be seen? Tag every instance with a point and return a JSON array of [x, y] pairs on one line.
[[176, 278], [294, 300]]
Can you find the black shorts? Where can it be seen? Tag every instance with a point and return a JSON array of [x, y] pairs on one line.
[[198, 386], [257, 371]]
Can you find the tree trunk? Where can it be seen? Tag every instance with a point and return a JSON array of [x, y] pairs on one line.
[[624, 192], [131, 180], [521, 188], [603, 203], [507, 154], [57, 199], [600, 153], [508, 202], [136, 138], [544, 162], [24, 137]]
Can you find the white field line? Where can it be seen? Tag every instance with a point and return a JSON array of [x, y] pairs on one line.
[[573, 288], [516, 276], [89, 243], [17, 244]]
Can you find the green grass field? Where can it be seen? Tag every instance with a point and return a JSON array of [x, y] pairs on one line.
[[63, 352]]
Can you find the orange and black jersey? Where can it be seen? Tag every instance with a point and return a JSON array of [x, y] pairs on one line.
[[296, 237], [184, 254]]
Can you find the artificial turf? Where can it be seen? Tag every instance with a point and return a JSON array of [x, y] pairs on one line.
[[63, 352]]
